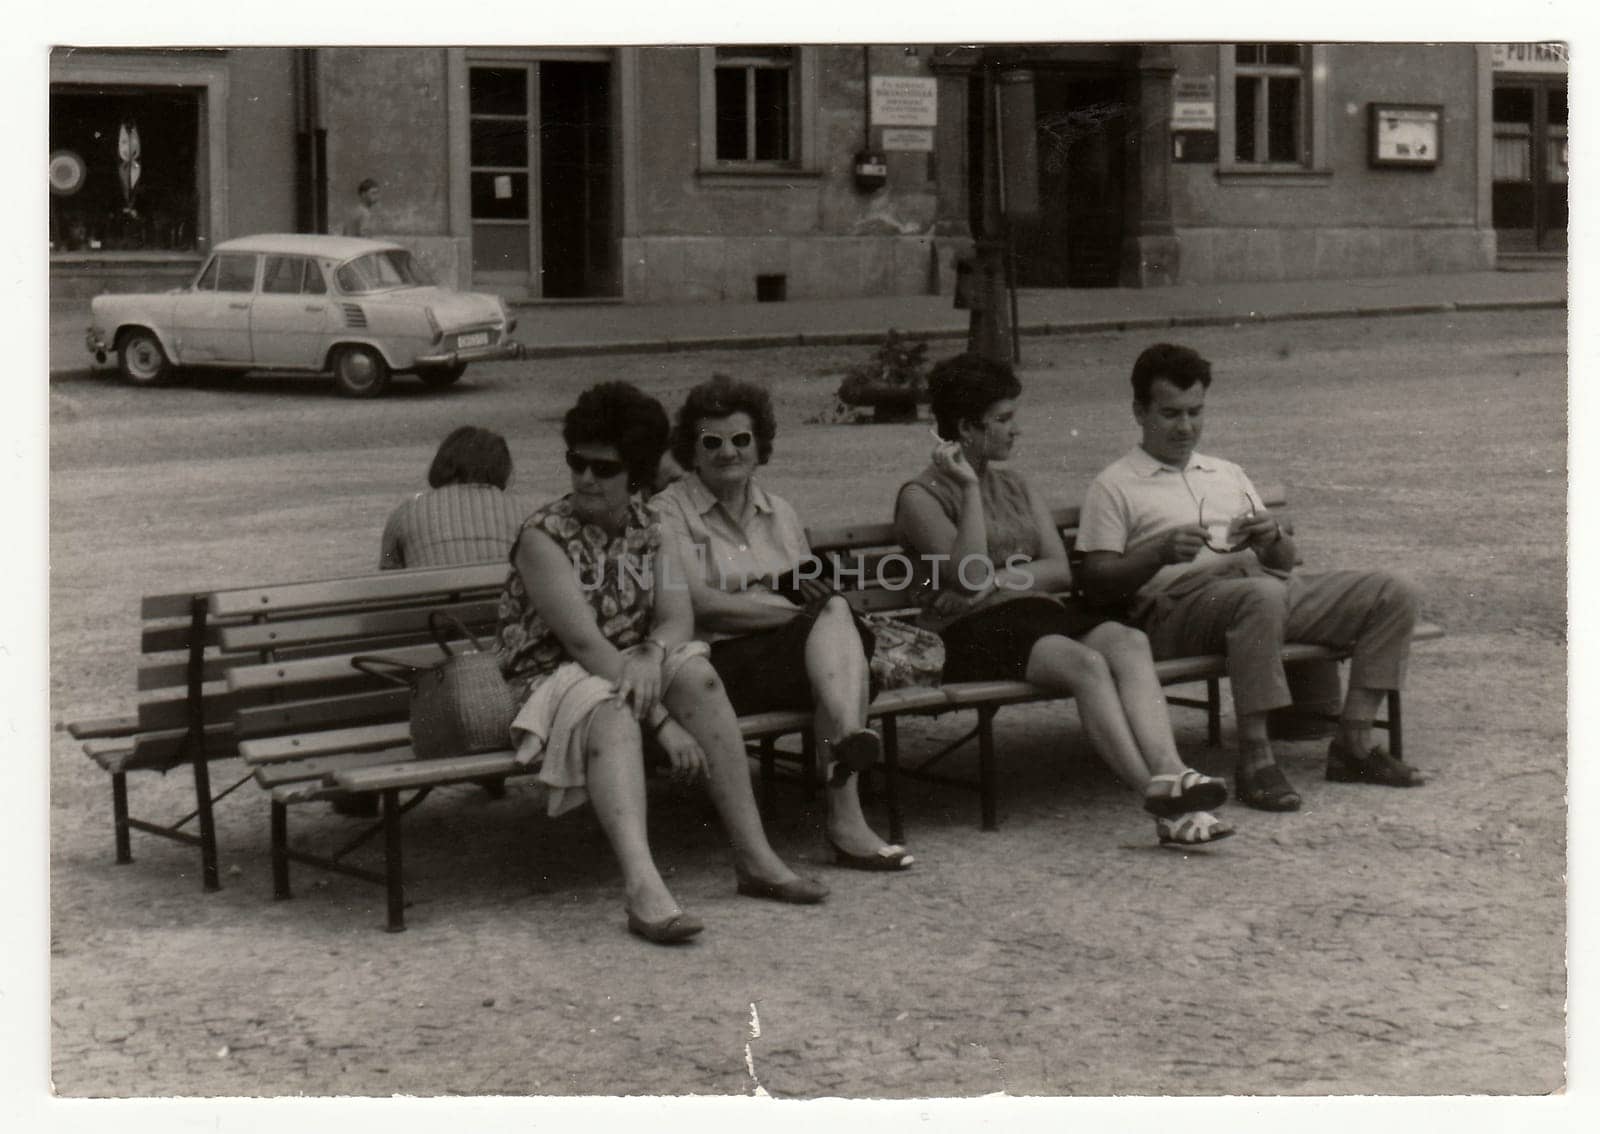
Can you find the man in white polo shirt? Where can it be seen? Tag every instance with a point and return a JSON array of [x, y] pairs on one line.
[[1186, 541]]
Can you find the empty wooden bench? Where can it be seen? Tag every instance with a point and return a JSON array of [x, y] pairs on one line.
[[189, 713]]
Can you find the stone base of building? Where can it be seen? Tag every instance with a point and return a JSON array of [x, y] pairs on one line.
[[711, 269], [84, 276], [1230, 255], [1150, 261]]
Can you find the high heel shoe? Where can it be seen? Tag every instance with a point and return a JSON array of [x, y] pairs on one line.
[[797, 891], [672, 930], [892, 857]]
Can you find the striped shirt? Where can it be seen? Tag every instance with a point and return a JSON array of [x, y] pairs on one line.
[[451, 526]]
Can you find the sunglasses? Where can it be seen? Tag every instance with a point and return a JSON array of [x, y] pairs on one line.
[[1226, 550], [603, 469], [711, 442]]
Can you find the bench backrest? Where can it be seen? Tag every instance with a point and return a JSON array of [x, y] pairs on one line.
[[193, 646]]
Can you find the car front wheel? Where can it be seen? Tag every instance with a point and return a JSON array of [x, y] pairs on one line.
[[437, 376], [141, 359], [360, 372]]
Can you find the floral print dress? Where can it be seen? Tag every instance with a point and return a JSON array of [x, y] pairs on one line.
[[617, 577]]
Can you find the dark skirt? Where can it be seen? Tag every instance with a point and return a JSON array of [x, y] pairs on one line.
[[993, 644], [765, 672]]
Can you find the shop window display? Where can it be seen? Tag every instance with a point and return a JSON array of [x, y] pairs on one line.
[[123, 169]]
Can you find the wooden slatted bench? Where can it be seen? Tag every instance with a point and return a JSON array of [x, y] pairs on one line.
[[263, 673], [189, 713]]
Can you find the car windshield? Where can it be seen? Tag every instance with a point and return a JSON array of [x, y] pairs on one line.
[[382, 271]]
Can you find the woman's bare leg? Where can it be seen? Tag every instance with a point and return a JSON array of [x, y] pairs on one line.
[[837, 668], [1059, 663], [615, 781], [1144, 705], [697, 701]]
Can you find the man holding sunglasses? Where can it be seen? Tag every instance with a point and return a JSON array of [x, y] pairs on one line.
[[1185, 540]]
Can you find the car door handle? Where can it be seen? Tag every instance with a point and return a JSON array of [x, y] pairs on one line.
[[239, 306]]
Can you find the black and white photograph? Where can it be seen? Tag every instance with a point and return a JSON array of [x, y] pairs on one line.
[[952, 566]]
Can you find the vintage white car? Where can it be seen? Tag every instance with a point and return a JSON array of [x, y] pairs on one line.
[[362, 309]]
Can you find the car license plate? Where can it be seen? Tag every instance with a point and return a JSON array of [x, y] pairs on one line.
[[477, 338]]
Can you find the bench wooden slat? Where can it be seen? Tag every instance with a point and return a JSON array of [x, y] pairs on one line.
[[174, 639], [94, 727], [321, 769], [356, 589], [412, 620], [323, 712], [175, 674], [277, 749], [427, 773], [156, 751], [166, 606], [328, 668]]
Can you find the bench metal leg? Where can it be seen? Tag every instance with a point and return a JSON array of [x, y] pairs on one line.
[[208, 828], [769, 771], [1214, 712], [1397, 743], [280, 851], [119, 816], [986, 768], [891, 775], [391, 861]]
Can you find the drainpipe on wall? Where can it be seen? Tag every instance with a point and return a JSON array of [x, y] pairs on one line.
[[311, 147]]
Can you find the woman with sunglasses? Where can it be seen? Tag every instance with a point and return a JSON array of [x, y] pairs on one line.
[[595, 639], [990, 567], [778, 642]]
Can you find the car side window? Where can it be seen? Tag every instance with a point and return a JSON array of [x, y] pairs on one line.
[[315, 284], [208, 278], [236, 271], [282, 275]]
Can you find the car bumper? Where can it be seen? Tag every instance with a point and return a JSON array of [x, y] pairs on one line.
[[96, 342], [505, 348]]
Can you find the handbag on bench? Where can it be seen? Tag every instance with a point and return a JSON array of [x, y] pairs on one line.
[[460, 705]]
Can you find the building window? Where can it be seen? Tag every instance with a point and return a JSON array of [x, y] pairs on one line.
[[124, 166], [1272, 115], [758, 106], [755, 103]]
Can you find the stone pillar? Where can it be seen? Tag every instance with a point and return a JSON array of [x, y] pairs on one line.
[[1149, 244], [953, 164]]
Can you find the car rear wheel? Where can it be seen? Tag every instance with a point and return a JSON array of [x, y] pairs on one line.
[[360, 372], [437, 376], [141, 359]]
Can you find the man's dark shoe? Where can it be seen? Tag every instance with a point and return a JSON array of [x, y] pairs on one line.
[[1376, 767]]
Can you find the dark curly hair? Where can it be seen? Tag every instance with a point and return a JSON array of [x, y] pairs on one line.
[[964, 387], [723, 396], [621, 415], [1179, 365], [471, 455]]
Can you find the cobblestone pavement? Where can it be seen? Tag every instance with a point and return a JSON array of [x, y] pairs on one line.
[[1380, 941]]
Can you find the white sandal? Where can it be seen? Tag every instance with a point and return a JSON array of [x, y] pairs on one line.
[[1174, 793], [1191, 829]]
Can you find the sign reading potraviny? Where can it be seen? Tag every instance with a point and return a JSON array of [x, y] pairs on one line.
[[905, 100]]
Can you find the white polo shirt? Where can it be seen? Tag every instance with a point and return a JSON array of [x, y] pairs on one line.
[[1137, 498]]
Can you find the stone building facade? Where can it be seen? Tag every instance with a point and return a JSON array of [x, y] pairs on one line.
[[709, 174]]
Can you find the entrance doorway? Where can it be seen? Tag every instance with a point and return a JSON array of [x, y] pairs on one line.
[[542, 182], [1083, 122], [1530, 164]]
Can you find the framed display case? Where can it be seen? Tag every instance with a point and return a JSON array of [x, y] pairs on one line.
[[1403, 135]]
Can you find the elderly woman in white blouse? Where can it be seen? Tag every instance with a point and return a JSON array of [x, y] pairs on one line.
[[801, 649]]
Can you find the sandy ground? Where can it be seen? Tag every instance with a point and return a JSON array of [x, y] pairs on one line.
[[1406, 942]]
